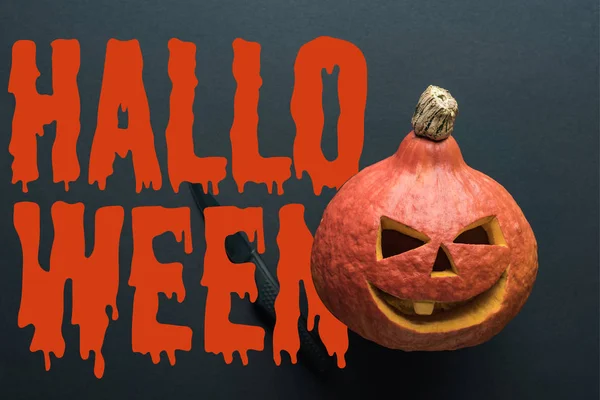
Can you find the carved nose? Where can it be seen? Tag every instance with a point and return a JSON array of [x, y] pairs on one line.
[[443, 266]]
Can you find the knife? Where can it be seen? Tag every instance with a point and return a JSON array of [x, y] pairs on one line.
[[240, 250]]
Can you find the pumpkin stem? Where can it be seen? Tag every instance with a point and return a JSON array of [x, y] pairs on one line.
[[435, 114]]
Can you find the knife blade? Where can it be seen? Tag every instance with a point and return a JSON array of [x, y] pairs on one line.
[[240, 250]]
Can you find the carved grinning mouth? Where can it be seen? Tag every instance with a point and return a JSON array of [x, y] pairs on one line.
[[431, 316], [413, 307], [424, 315]]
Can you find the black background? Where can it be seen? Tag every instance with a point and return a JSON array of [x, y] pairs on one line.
[[525, 75]]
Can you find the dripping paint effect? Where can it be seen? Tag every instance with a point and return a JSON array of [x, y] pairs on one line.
[[94, 279], [183, 164], [222, 278], [295, 243], [307, 111], [247, 163], [122, 86], [33, 111], [46, 360], [150, 277]]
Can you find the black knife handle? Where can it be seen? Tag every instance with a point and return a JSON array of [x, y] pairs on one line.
[[311, 349]]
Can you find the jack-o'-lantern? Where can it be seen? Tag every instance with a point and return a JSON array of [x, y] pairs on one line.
[[420, 251]]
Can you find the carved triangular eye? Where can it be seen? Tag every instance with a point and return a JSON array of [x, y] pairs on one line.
[[477, 235], [483, 231], [395, 238]]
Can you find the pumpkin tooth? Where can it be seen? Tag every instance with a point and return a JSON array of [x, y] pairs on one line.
[[423, 307]]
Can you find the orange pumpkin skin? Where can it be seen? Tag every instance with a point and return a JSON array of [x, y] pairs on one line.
[[427, 186]]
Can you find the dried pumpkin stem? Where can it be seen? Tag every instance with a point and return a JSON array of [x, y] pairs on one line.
[[435, 114]]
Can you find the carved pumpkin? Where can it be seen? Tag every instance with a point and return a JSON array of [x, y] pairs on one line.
[[420, 251]]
